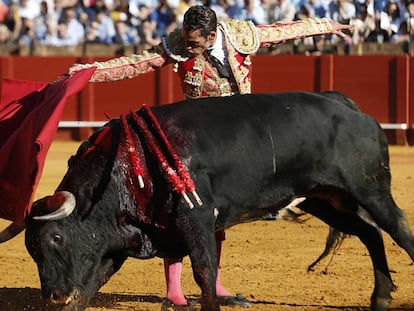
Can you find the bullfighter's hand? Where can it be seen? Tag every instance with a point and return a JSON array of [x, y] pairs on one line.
[[78, 67], [341, 29]]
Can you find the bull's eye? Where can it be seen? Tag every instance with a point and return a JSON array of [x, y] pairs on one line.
[[57, 239]]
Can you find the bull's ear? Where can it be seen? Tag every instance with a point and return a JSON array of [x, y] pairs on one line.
[[85, 197]]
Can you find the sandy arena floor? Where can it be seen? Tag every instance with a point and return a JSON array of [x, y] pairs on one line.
[[266, 261]]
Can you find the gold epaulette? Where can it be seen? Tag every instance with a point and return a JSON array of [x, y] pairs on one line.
[[174, 46], [243, 35]]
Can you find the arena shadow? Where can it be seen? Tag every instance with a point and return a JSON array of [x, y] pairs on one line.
[[295, 306], [18, 299]]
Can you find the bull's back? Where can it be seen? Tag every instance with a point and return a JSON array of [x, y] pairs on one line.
[[286, 120], [272, 146]]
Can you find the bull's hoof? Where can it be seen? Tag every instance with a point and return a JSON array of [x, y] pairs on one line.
[[234, 301], [380, 304], [167, 305]]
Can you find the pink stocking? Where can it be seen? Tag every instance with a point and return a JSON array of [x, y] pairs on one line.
[[173, 269], [220, 290]]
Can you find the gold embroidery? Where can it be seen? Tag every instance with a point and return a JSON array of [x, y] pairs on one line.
[[242, 35], [204, 81], [292, 30], [245, 87], [199, 63], [240, 71], [247, 61], [126, 67], [271, 34], [192, 92], [193, 79], [326, 25]]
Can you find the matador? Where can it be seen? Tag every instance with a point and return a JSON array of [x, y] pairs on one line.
[[237, 40]]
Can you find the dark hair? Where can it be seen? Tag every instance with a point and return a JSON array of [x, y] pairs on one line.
[[201, 18]]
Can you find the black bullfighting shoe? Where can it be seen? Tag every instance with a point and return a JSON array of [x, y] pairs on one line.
[[236, 301], [167, 305]]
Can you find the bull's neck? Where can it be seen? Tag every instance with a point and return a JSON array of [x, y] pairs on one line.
[[161, 152]]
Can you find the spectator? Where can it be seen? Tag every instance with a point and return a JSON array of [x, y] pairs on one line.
[[232, 8], [369, 5], [254, 12], [44, 24], [135, 6], [312, 8], [92, 32], [69, 31], [24, 14], [57, 37], [410, 18], [402, 35], [164, 19], [284, 11], [29, 9], [61, 5], [26, 34], [364, 26], [322, 8], [5, 34], [307, 10], [146, 29], [91, 8], [102, 29], [391, 19], [4, 12], [183, 6], [88, 8], [120, 11], [341, 11], [75, 30], [124, 34]]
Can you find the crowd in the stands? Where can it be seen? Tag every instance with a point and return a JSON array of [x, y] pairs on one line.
[[144, 22]]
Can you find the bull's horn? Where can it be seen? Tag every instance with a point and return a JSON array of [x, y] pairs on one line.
[[61, 203], [11, 231]]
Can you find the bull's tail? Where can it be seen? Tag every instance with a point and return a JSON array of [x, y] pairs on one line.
[[333, 243]]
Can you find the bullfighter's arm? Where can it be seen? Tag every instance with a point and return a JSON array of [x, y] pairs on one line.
[[125, 67], [282, 31]]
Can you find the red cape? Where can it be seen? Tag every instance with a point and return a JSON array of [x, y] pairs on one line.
[[29, 117]]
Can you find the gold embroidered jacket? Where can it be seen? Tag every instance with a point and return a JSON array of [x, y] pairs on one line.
[[198, 76]]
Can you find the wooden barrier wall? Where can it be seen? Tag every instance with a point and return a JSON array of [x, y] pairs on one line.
[[379, 84]]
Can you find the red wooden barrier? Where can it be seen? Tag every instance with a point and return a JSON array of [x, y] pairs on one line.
[[379, 84]]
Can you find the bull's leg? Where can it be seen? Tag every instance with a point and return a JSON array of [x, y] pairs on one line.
[[370, 236], [391, 219], [198, 230]]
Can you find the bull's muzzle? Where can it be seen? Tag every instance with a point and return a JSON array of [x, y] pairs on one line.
[[56, 297]]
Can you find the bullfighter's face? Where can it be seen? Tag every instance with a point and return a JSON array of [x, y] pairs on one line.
[[196, 44]]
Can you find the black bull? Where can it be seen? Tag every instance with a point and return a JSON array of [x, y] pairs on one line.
[[249, 156]]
